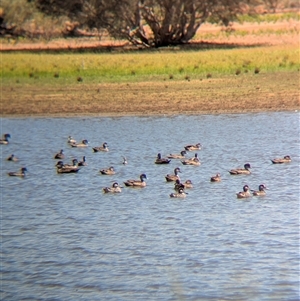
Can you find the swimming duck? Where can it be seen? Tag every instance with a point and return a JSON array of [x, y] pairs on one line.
[[176, 156], [61, 168], [71, 140], [103, 148], [243, 194], [193, 147], [216, 178], [13, 158], [82, 162], [60, 155], [5, 139], [192, 161], [137, 183], [188, 184], [179, 185], [179, 194], [74, 164], [174, 177], [241, 171], [115, 188], [260, 191], [108, 171], [285, 159], [160, 160], [124, 161], [84, 143], [20, 173]]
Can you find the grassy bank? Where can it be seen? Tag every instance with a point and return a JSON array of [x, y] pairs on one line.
[[62, 68]]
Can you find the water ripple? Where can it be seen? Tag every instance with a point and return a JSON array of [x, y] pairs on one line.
[[63, 239]]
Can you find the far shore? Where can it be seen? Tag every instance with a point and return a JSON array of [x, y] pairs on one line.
[[264, 91]]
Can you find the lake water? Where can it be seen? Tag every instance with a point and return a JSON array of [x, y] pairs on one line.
[[63, 239]]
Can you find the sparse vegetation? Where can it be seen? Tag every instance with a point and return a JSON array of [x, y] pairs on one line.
[[229, 73], [131, 66]]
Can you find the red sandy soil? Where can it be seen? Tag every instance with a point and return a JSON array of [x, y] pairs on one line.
[[257, 34]]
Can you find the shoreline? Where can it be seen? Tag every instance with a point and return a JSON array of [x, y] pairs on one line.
[[149, 114], [265, 92]]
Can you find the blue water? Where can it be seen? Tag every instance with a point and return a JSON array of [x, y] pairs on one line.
[[63, 239]]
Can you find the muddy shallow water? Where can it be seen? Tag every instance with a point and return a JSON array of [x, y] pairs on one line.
[[63, 239]]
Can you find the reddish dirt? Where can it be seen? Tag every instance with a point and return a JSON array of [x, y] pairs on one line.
[[257, 34]]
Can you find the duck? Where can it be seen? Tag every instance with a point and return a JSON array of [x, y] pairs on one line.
[[193, 147], [160, 160], [115, 188], [5, 138], [61, 168], [177, 156], [174, 177], [188, 184], [260, 191], [243, 194], [13, 158], [74, 164], [285, 159], [137, 183], [193, 161], [82, 162], [179, 185], [179, 194], [60, 155], [216, 178], [84, 143], [71, 140], [20, 173], [103, 148], [241, 171], [108, 171]]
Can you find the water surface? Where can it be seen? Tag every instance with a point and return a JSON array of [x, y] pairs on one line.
[[63, 239]]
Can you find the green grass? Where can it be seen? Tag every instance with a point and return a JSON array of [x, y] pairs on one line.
[[140, 66], [259, 18]]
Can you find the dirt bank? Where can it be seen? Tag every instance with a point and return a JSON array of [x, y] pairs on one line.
[[242, 93]]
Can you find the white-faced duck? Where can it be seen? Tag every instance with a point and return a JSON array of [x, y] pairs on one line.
[[20, 173], [193, 147], [260, 191], [177, 156], [188, 184], [5, 138], [241, 171], [174, 177], [115, 188], [108, 171], [74, 164], [243, 194], [84, 143], [60, 155], [82, 162], [137, 183], [179, 185], [65, 168], [179, 194], [216, 178], [285, 159], [71, 140], [13, 158], [193, 161], [160, 160], [103, 148]]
